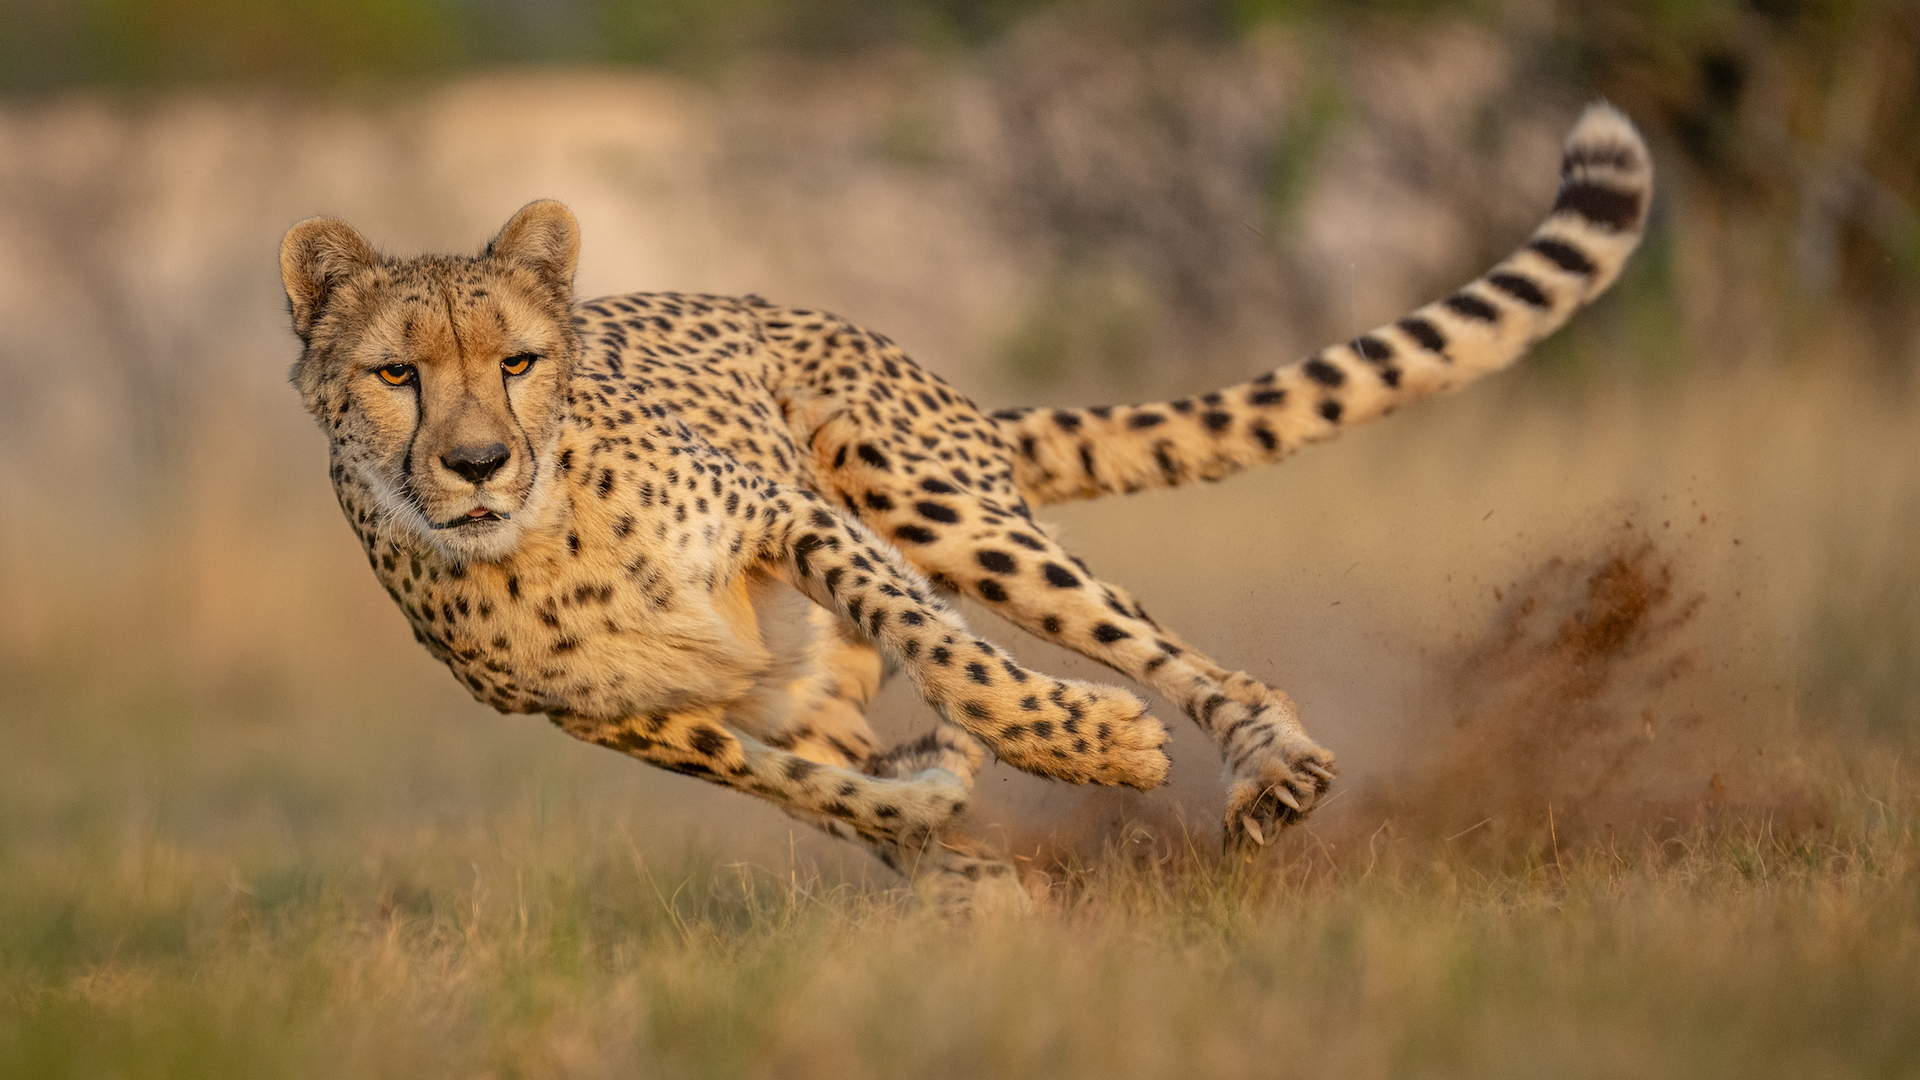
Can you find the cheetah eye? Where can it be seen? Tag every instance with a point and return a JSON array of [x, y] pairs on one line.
[[397, 374], [518, 365]]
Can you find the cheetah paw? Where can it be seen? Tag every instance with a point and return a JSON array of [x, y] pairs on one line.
[[1085, 733], [1274, 787]]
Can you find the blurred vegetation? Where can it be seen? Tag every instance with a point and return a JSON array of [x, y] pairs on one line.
[[1799, 120]]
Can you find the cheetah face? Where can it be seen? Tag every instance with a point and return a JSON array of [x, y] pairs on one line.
[[441, 382]]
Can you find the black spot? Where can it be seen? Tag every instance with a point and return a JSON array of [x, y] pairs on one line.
[[707, 742], [1602, 206], [605, 487], [1268, 441], [840, 457], [1424, 332], [800, 769], [1469, 306], [1146, 420], [1324, 373], [1267, 397], [1109, 633], [877, 501], [1030, 703], [978, 673], [941, 655], [914, 534], [1051, 624], [1521, 288], [1331, 410], [990, 590], [1217, 421], [872, 456], [997, 561], [1060, 577], [1042, 729], [1067, 421], [513, 587], [938, 487], [1563, 255], [573, 543], [1026, 541], [1391, 376], [1372, 348], [1086, 457], [803, 550], [934, 511]]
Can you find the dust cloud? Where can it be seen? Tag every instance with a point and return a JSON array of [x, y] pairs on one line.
[[1605, 697]]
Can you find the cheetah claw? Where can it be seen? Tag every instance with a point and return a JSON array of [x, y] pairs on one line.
[[1252, 825], [1273, 791]]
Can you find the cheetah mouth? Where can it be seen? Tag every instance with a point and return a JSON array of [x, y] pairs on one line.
[[475, 516]]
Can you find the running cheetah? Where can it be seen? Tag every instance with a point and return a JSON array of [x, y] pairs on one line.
[[699, 530]]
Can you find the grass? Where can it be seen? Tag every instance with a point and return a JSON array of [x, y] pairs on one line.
[[541, 945], [1587, 827]]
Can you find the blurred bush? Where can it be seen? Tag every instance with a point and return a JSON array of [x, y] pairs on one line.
[[1153, 145]]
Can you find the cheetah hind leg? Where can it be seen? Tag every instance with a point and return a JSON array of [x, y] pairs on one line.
[[950, 870]]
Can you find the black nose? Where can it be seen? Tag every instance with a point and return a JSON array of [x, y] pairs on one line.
[[476, 463]]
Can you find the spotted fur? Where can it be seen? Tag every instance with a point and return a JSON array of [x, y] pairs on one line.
[[697, 529]]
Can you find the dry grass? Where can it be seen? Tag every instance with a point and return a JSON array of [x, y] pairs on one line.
[[541, 945]]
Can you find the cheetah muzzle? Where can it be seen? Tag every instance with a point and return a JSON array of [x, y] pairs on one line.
[[692, 528]]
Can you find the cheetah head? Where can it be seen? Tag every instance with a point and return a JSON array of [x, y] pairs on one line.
[[441, 381]]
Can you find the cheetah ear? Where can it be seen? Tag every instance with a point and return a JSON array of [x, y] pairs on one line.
[[545, 237], [317, 255]]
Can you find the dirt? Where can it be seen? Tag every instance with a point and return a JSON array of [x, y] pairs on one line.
[[1595, 706]]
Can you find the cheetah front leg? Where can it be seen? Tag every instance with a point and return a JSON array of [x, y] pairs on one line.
[[1274, 773], [1081, 732]]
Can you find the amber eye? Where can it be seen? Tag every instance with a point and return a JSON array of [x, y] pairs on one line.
[[518, 365], [396, 374]]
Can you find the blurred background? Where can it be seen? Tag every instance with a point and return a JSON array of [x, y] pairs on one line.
[[1074, 201]]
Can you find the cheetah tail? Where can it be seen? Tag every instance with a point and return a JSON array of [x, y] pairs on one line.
[[1606, 184]]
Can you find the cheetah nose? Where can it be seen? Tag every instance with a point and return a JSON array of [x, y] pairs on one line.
[[476, 463]]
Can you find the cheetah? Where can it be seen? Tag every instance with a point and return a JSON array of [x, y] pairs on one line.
[[701, 530]]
